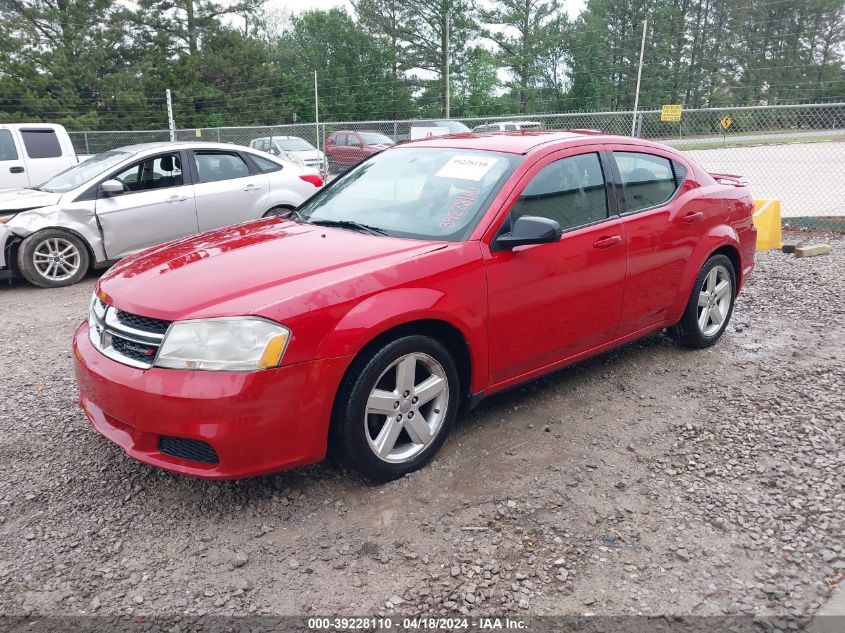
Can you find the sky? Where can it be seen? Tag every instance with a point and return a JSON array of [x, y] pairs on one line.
[[573, 7]]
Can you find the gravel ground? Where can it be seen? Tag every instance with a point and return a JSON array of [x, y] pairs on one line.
[[647, 480]]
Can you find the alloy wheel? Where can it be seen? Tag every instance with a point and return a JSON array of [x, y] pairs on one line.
[[406, 408], [56, 259], [714, 300]]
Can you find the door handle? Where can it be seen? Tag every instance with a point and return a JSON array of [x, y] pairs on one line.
[[16, 170], [607, 242], [173, 199], [252, 187], [695, 216]]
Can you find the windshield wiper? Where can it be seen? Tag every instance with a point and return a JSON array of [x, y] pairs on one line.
[[349, 224], [296, 216]]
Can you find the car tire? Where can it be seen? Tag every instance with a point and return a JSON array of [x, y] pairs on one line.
[[709, 301], [384, 425], [280, 210], [53, 258]]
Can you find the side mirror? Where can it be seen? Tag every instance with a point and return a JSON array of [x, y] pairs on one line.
[[112, 187], [529, 229]]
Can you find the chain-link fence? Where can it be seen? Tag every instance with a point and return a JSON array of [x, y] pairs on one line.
[[793, 153]]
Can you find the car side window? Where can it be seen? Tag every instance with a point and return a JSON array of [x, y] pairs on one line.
[[353, 141], [265, 166], [570, 191], [647, 180], [510, 127], [41, 143], [339, 140], [7, 146], [154, 173], [215, 166]]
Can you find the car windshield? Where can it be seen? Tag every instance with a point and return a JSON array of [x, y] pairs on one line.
[[294, 144], [79, 174], [422, 193], [373, 138]]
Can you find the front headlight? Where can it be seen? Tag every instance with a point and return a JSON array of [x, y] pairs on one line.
[[225, 344]]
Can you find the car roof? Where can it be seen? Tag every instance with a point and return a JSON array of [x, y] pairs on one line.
[[522, 141], [177, 145], [358, 132]]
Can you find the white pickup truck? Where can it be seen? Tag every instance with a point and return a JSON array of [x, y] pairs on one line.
[[30, 153]]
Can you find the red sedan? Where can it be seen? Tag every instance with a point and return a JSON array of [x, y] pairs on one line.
[[347, 148], [435, 273]]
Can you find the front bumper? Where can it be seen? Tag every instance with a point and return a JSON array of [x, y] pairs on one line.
[[5, 234], [256, 422]]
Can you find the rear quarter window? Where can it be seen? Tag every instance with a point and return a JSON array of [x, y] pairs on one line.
[[265, 166], [8, 151], [41, 143]]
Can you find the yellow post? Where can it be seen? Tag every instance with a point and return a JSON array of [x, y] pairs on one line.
[[767, 222]]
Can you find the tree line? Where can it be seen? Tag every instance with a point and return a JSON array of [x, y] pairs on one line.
[[106, 64]]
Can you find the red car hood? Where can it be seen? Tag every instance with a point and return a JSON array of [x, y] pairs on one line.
[[242, 269]]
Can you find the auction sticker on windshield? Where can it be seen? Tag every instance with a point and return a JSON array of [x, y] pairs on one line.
[[467, 167]]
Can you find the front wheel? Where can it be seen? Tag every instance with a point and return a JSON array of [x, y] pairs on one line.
[[395, 407], [710, 305], [53, 258]]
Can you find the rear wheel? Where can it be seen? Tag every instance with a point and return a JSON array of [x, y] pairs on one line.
[[282, 210], [710, 305], [53, 258], [395, 407]]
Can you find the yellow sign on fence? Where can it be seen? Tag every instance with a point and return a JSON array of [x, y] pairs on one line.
[[671, 112], [726, 122]]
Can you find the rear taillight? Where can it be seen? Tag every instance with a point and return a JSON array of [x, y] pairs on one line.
[[314, 179]]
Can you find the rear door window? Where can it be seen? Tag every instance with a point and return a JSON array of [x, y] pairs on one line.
[[41, 143], [647, 180], [216, 166], [8, 151]]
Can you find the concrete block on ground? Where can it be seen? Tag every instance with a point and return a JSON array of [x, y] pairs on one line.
[[789, 246], [811, 250]]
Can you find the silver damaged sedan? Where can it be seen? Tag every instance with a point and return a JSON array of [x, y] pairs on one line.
[[123, 201]]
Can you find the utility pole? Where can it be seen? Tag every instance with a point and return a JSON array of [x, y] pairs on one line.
[[639, 77], [448, 86], [171, 124], [316, 112]]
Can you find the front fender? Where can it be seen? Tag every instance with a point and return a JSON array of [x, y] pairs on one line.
[[717, 237], [379, 313], [78, 220]]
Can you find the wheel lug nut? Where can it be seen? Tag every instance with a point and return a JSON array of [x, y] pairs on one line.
[[399, 417], [437, 410], [411, 414], [407, 393], [396, 405], [414, 400]]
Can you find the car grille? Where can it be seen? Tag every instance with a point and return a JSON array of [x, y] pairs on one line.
[[194, 450], [131, 349], [145, 324], [127, 338]]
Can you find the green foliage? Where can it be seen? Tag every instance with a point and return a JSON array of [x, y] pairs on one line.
[[106, 64]]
